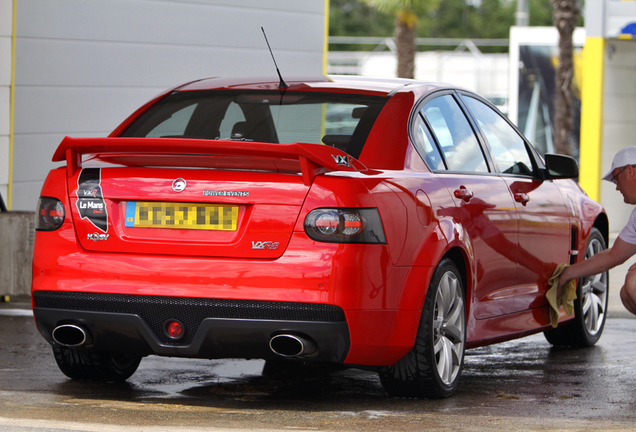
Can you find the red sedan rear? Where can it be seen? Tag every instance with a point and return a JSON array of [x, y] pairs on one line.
[[378, 223]]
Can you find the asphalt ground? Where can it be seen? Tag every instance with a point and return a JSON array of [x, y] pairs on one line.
[[520, 385]]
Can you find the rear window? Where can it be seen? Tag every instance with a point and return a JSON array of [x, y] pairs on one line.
[[335, 119]]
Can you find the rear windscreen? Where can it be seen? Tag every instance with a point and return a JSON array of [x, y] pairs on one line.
[[335, 119]]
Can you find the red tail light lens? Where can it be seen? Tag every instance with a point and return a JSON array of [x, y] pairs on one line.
[[50, 214], [345, 225]]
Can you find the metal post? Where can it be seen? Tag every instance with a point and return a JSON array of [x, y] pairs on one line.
[[522, 16]]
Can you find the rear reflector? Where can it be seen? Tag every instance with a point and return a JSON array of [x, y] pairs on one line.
[[174, 329]]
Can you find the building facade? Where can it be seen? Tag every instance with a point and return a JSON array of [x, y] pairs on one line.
[[79, 68]]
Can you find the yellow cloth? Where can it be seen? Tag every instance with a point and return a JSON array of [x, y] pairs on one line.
[[567, 297]]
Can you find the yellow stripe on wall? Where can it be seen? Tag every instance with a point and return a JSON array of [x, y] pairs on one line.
[[592, 117], [12, 105], [325, 47]]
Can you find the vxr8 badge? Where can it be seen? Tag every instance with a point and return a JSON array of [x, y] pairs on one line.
[[265, 245]]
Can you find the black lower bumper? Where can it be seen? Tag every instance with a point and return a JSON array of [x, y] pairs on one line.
[[134, 325]]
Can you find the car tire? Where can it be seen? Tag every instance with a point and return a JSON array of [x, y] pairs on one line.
[[590, 306], [433, 367], [95, 366]]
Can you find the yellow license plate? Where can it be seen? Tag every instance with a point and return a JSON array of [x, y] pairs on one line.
[[181, 216]]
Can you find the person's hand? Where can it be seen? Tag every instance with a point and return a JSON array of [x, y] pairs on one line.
[[564, 278]]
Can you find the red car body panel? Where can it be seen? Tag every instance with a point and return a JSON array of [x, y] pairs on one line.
[[498, 238]]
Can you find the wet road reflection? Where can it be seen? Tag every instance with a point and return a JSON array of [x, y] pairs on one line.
[[520, 385]]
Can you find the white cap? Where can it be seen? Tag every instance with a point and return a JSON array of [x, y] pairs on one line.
[[626, 156]]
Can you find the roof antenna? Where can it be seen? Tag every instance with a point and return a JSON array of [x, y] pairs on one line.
[[282, 84]]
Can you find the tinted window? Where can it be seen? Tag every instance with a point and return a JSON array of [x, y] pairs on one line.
[[339, 120], [455, 136], [175, 125], [508, 148], [233, 115]]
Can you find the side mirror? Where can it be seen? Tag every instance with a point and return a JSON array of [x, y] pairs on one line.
[[561, 166]]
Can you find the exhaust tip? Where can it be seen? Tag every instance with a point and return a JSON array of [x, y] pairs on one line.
[[287, 345], [71, 335]]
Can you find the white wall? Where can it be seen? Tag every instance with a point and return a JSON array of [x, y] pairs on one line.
[[6, 26], [83, 66], [619, 127]]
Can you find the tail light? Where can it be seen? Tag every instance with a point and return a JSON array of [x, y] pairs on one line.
[[50, 214], [345, 225]]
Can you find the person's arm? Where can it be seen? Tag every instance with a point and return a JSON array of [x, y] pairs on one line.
[[603, 261]]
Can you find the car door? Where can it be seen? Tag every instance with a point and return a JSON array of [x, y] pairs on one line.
[[483, 204], [544, 231]]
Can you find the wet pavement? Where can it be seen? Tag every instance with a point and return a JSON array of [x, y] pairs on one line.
[[519, 385]]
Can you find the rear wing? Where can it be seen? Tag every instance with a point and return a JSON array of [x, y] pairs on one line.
[[314, 159]]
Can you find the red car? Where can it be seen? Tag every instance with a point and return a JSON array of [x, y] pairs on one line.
[[379, 223]]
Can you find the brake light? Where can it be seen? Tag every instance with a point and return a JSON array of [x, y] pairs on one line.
[[345, 225], [50, 214]]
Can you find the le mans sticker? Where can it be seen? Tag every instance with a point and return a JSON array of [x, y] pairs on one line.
[[90, 201]]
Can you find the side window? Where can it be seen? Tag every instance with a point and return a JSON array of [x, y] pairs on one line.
[[456, 138], [508, 148], [426, 147]]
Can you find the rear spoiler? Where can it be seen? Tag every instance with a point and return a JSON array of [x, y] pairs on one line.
[[314, 159]]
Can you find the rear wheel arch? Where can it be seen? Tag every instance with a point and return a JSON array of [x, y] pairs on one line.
[[461, 260]]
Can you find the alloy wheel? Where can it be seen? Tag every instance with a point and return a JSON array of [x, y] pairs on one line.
[[594, 293], [449, 328]]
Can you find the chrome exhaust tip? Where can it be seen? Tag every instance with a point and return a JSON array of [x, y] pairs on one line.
[[287, 345], [71, 335]]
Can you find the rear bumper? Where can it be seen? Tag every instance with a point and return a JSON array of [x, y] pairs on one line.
[[381, 303], [134, 324]]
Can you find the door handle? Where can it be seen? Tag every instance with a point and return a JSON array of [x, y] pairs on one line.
[[463, 193], [522, 197]]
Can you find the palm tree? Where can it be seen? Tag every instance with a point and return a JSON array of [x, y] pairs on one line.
[[406, 16], [565, 16]]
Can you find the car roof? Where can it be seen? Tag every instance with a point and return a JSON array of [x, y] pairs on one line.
[[332, 83]]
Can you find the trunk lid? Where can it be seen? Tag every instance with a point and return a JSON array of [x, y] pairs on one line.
[[191, 197]]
